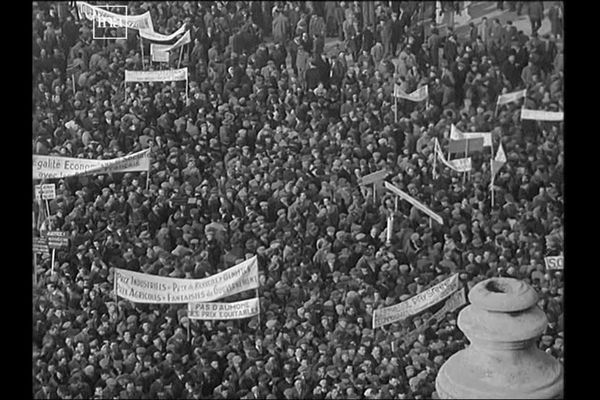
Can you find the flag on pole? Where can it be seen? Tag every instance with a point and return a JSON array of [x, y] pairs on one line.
[[455, 134], [512, 96], [498, 161], [418, 95]]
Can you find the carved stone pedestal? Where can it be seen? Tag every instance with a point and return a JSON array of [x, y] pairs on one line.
[[502, 323]]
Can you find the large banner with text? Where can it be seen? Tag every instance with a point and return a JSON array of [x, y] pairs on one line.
[[144, 288], [416, 304]]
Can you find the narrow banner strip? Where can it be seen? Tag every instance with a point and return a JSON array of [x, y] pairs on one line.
[[416, 304], [144, 288], [157, 76], [49, 167], [373, 177], [414, 202], [539, 115], [158, 37], [510, 97], [223, 311]]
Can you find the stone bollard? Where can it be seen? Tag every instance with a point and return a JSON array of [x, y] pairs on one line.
[[502, 323]]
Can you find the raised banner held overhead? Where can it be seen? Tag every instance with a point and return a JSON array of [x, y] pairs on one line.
[[158, 37], [49, 167], [93, 13], [185, 39], [463, 146], [539, 115], [460, 164], [554, 262], [455, 134], [416, 304], [414, 202], [157, 76], [418, 95], [144, 288], [223, 311], [373, 177], [159, 52], [510, 97]]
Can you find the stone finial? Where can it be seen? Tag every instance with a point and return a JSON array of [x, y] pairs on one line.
[[502, 323]]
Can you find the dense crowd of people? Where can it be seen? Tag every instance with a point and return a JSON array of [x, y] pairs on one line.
[[271, 141]]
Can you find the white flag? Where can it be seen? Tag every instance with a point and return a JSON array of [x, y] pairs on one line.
[[418, 95], [455, 134], [510, 97], [500, 156]]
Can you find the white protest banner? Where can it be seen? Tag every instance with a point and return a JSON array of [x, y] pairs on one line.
[[539, 115], [455, 134], [157, 76], [93, 13], [185, 39], [416, 304], [459, 164], [49, 167], [414, 202], [418, 95], [158, 37], [159, 52], [510, 97], [220, 311], [455, 301], [144, 288], [373, 177], [554, 262]]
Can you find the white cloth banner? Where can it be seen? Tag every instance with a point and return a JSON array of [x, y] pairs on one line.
[[140, 22], [144, 288], [455, 134], [49, 167], [554, 262], [220, 311], [414, 202], [458, 165], [185, 39], [418, 95], [158, 37], [416, 304], [159, 52], [157, 76], [512, 96], [539, 115]]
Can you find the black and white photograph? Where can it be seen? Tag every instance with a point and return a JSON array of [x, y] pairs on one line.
[[297, 199]]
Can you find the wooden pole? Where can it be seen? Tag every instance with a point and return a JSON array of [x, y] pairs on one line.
[[374, 193], [73, 80], [258, 297], [52, 265], [35, 269], [395, 109], [180, 55], [396, 203], [466, 155], [142, 47], [492, 172], [47, 207]]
